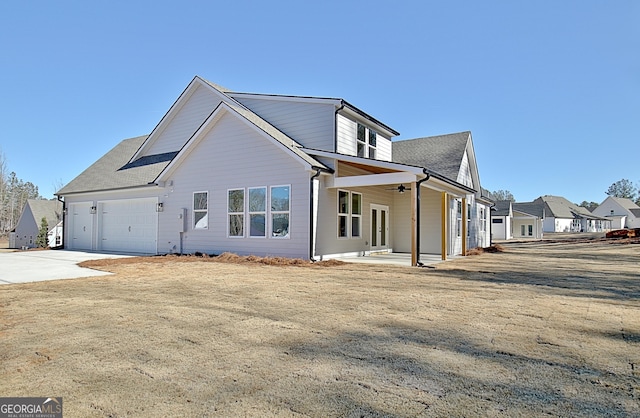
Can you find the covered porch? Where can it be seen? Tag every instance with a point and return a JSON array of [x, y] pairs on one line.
[[417, 214]]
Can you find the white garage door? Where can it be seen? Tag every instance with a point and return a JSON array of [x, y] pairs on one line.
[[80, 226], [128, 226]]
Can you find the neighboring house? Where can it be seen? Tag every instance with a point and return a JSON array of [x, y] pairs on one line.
[[622, 213], [26, 231], [560, 215], [277, 175], [527, 221], [517, 220], [501, 218]]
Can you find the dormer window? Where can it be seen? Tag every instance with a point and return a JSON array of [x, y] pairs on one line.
[[366, 142]]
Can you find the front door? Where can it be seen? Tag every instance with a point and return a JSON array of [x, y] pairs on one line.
[[379, 228]]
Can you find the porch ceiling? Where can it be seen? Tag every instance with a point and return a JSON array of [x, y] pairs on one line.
[[370, 168]]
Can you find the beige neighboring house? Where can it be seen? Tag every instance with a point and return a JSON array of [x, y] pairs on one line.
[[621, 212], [277, 175], [26, 231]]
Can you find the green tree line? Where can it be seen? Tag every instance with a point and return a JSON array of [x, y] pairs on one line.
[[14, 193]]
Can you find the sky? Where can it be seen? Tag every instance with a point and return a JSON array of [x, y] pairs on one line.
[[549, 89]]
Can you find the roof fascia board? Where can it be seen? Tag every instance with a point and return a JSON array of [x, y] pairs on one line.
[[365, 161], [284, 98], [359, 115], [114, 190]]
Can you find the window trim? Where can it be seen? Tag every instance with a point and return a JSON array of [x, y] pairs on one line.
[[263, 212], [242, 214], [369, 150], [279, 212], [348, 215], [194, 210]]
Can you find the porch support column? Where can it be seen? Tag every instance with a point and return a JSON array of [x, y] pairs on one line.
[[465, 214], [443, 225], [414, 224]]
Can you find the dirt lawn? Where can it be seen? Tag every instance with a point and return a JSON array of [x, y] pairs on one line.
[[549, 328]]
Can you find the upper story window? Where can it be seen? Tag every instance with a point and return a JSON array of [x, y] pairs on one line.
[[366, 142]]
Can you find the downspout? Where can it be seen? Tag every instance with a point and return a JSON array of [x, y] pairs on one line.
[[64, 221], [312, 217], [418, 183]]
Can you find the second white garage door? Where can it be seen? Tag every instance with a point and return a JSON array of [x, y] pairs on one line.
[[128, 226]]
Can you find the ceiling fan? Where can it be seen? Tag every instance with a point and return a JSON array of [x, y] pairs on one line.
[[401, 188]]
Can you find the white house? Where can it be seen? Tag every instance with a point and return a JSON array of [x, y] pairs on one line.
[[26, 231], [527, 221], [622, 213], [277, 175], [517, 220], [560, 215], [501, 218]]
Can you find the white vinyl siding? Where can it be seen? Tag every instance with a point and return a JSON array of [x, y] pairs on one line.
[[347, 140], [173, 135], [233, 155], [310, 124], [347, 130], [464, 175]]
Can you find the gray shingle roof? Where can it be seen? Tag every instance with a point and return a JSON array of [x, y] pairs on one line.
[[442, 154], [625, 203], [559, 207], [501, 208], [49, 209], [113, 170], [530, 208]]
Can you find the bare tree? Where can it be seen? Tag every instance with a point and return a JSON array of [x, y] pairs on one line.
[[502, 195]]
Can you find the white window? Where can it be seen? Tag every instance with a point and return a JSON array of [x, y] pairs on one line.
[[258, 212], [356, 214], [483, 220], [200, 210], [468, 219], [235, 210], [349, 214], [373, 139], [343, 214], [280, 211], [366, 142]]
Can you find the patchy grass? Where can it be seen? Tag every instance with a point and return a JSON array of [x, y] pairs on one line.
[[541, 329]]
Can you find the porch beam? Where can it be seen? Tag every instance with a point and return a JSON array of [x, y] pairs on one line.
[[370, 180]]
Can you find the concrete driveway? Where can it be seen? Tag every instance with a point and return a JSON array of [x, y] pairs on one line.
[[35, 266]]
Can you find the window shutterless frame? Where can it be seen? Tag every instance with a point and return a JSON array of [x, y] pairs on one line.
[[280, 211], [257, 208], [201, 210], [235, 213]]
